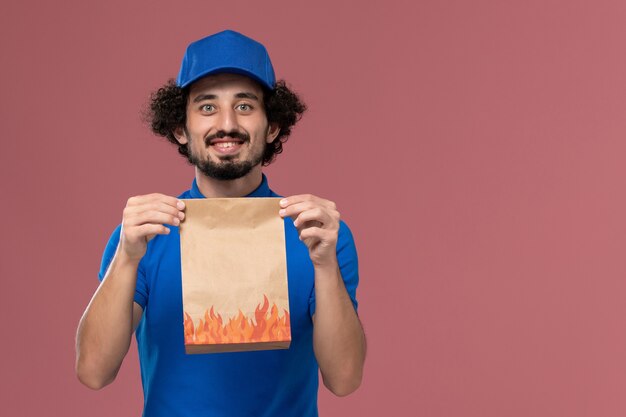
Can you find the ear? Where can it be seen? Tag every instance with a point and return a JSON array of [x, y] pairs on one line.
[[181, 137], [272, 131]]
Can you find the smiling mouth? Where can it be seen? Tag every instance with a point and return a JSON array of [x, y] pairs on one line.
[[226, 145]]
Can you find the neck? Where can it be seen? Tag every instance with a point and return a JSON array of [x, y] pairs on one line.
[[212, 188]]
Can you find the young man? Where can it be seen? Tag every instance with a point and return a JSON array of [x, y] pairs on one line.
[[229, 117]]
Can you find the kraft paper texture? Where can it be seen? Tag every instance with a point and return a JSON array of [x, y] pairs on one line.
[[234, 275]]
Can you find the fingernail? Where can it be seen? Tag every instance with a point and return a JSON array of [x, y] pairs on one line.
[[283, 202], [180, 204], [282, 212]]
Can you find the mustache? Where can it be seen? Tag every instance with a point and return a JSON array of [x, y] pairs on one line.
[[235, 134]]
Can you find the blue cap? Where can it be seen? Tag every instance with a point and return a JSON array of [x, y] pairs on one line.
[[226, 51]]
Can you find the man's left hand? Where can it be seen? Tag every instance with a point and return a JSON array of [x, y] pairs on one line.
[[317, 221]]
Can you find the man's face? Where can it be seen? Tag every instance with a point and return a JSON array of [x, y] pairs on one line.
[[227, 128]]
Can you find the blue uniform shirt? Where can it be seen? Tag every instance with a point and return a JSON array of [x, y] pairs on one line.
[[261, 383]]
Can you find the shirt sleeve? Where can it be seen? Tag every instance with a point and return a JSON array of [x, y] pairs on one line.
[[141, 290], [348, 265]]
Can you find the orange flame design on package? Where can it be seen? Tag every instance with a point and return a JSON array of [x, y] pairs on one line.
[[240, 329]]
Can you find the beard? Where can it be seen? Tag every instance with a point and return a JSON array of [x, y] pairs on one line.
[[227, 168]]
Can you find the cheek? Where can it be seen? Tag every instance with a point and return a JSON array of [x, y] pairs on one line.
[[195, 142], [259, 130], [197, 131], [194, 125]]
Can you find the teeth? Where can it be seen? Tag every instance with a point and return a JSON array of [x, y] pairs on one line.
[[226, 144]]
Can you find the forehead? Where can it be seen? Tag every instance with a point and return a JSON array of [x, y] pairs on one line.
[[225, 85]]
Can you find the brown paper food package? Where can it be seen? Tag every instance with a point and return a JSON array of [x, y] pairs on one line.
[[234, 275]]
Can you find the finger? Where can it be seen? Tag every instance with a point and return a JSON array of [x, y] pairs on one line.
[[154, 206], [307, 225], [152, 216], [310, 241], [295, 209], [156, 197], [312, 217], [314, 234], [135, 233], [295, 199], [150, 230]]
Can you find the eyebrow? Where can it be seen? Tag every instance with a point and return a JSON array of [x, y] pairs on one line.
[[247, 95], [203, 97]]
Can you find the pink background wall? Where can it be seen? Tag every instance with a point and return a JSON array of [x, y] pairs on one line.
[[475, 148]]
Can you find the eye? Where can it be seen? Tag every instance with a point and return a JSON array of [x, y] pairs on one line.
[[208, 108], [244, 107]]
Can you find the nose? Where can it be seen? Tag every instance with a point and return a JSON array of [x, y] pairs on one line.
[[227, 120]]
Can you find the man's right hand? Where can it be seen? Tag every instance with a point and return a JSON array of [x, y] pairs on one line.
[[144, 217], [106, 328]]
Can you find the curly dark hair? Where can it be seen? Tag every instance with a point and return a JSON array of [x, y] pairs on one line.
[[167, 111]]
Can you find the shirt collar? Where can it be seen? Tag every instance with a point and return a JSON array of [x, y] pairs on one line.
[[263, 190]]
